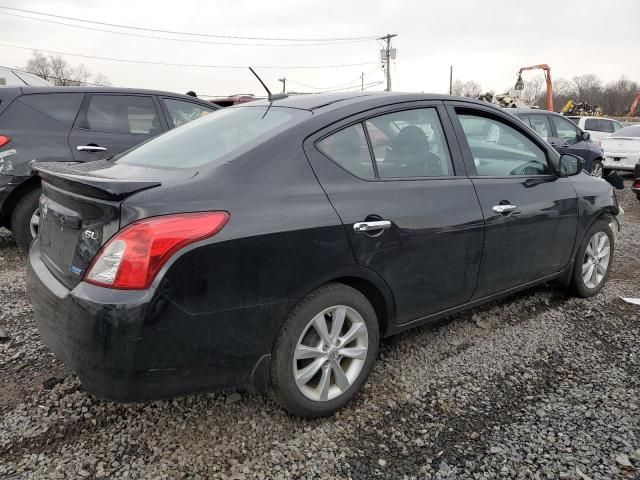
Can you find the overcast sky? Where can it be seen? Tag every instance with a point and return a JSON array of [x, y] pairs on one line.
[[486, 41]]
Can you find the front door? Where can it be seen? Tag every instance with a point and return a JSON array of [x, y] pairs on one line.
[[531, 215], [411, 215], [567, 138], [109, 124]]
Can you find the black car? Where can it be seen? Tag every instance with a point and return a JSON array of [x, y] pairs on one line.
[[274, 243], [564, 135], [74, 124]]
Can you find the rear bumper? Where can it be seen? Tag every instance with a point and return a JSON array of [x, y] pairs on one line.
[[138, 345], [625, 161]]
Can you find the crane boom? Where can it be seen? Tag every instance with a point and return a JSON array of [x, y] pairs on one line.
[[547, 76], [634, 104]]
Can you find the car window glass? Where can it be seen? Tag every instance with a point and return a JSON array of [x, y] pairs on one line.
[[606, 126], [210, 140], [575, 120], [540, 123], [592, 124], [500, 150], [566, 129], [181, 112], [348, 148], [413, 144], [8, 78], [122, 114], [61, 106], [616, 126]]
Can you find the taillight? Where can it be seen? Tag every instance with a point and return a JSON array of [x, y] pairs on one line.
[[131, 259], [636, 184], [4, 140]]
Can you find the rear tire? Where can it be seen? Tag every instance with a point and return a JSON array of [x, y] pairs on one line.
[[315, 373], [21, 215], [593, 261]]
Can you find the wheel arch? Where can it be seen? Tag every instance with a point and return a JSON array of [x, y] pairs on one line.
[[14, 197]]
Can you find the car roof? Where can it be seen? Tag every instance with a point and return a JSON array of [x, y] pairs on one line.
[[328, 101], [26, 90]]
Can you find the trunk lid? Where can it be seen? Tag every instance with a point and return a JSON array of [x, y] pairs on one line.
[[80, 210], [626, 145]]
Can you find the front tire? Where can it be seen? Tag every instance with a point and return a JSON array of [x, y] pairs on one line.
[[21, 218], [597, 170], [593, 260], [324, 351]]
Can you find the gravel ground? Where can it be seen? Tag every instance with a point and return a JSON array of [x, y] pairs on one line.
[[539, 386]]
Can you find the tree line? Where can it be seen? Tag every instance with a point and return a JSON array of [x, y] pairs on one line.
[[58, 71], [614, 97]]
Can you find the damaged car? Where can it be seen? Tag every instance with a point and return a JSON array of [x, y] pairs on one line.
[[270, 246], [76, 125]]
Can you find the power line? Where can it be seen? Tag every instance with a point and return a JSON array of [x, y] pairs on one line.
[[167, 64], [347, 84], [94, 22], [184, 40]]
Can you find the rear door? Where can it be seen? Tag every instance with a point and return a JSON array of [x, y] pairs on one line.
[[109, 124], [531, 215], [411, 215]]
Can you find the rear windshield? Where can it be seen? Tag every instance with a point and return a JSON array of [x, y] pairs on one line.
[[633, 131], [211, 138]]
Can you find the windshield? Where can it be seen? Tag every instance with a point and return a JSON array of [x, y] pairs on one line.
[[211, 138], [633, 131]]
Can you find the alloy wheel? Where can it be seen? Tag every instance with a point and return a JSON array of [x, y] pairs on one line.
[[597, 170], [596, 260], [330, 353], [34, 222]]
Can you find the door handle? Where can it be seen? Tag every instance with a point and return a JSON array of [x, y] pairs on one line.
[[90, 148], [504, 208], [372, 226]]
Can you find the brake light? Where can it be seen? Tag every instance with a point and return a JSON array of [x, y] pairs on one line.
[[636, 184], [4, 140], [131, 259]]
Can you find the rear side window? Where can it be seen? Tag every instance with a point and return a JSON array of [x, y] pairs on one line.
[[500, 150], [60, 106], [122, 114], [349, 149], [181, 112], [210, 139], [540, 123], [416, 145]]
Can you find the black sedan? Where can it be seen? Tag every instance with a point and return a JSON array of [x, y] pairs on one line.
[[272, 245]]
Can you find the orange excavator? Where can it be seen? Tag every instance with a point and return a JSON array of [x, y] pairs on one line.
[[547, 77], [634, 104]]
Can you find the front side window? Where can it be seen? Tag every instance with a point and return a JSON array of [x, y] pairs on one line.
[[566, 129], [181, 112], [410, 143], [122, 114], [210, 139], [348, 148], [500, 150], [616, 126]]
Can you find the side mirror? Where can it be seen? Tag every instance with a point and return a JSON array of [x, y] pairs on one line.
[[585, 136], [570, 165]]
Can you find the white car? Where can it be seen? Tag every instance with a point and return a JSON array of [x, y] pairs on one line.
[[622, 149], [598, 127]]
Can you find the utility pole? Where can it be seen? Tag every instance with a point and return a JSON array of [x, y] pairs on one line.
[[362, 81], [284, 84], [451, 80], [387, 54]]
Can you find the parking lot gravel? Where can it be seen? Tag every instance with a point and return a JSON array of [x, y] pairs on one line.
[[538, 386]]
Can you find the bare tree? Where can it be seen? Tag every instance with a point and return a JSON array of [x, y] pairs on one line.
[[617, 96], [588, 88], [533, 89], [102, 80], [57, 70], [467, 89]]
